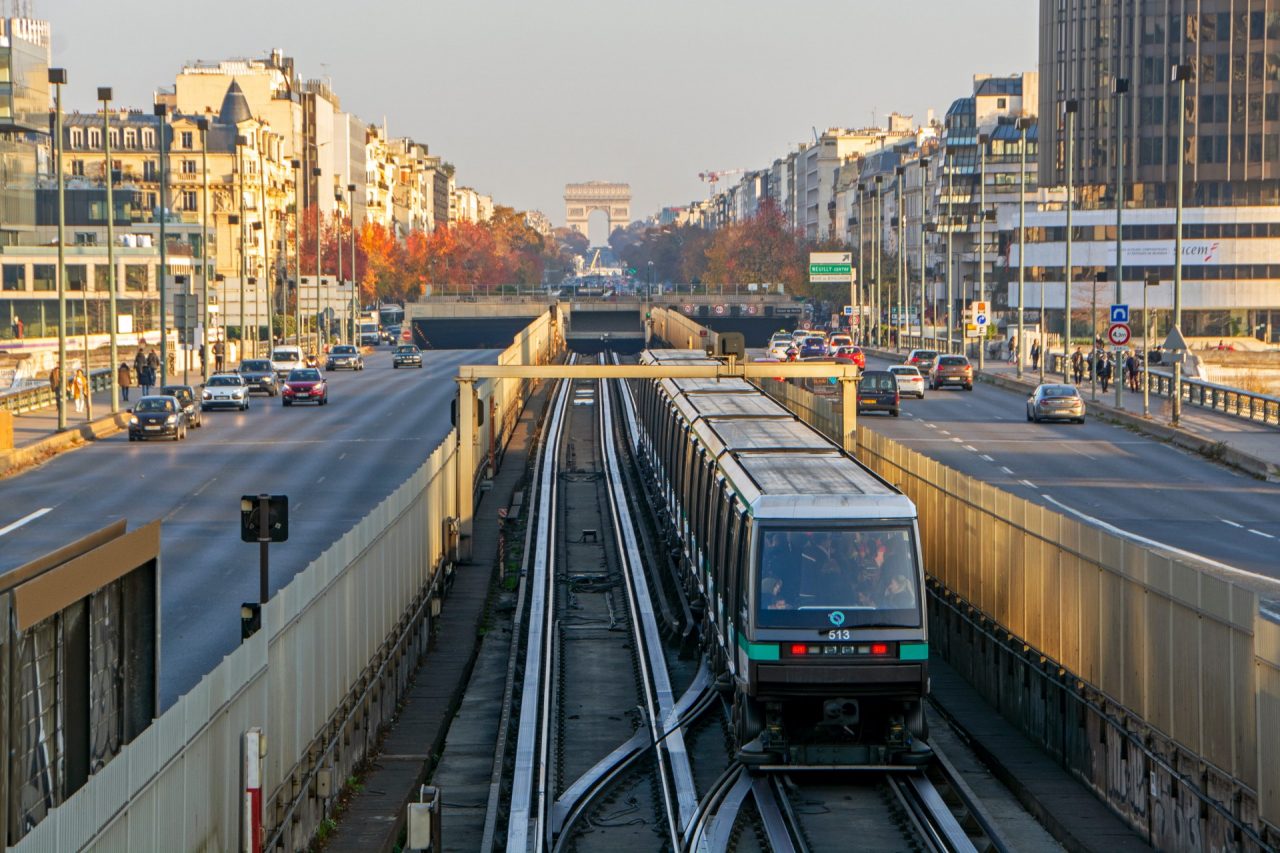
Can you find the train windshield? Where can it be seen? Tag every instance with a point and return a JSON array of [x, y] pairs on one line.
[[838, 577]]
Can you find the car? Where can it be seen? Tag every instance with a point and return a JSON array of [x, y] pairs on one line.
[[951, 370], [878, 392], [813, 347], [225, 391], [854, 354], [186, 395], [305, 385], [921, 358], [286, 359], [344, 355], [836, 342], [909, 379], [260, 375], [406, 355], [157, 416], [1055, 401], [779, 344]]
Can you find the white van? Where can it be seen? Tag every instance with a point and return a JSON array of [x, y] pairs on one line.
[[286, 358]]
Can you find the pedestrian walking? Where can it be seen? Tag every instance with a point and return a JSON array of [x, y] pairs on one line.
[[55, 387], [1131, 370], [1013, 348], [1077, 366], [124, 378], [79, 390], [139, 362], [1104, 370], [17, 327], [146, 378], [219, 356], [1035, 355]]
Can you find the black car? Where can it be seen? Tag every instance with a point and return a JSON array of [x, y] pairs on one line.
[[260, 375], [157, 416], [407, 355], [878, 392], [186, 395], [344, 355]]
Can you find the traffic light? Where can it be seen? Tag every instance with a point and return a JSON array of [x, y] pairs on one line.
[[277, 517]]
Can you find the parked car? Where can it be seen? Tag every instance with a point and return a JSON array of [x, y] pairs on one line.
[[406, 355], [878, 392], [305, 385], [225, 391], [921, 358], [1054, 401], [909, 379], [186, 396], [854, 354], [344, 355], [286, 359], [260, 375], [951, 370], [157, 416]]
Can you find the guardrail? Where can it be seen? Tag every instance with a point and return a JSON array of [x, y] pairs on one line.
[[38, 395], [335, 651]]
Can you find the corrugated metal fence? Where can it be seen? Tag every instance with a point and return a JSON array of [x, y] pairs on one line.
[[336, 648], [1171, 666]]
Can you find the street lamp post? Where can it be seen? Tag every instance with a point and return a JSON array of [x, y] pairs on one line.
[[1071, 106], [983, 140], [162, 112], [1180, 74], [949, 164], [58, 77], [316, 172], [1152, 280], [337, 209], [104, 95], [268, 274], [255, 227], [924, 180], [1120, 88], [297, 251], [862, 332], [355, 277], [1099, 278], [241, 141], [901, 172], [202, 124], [1024, 124]]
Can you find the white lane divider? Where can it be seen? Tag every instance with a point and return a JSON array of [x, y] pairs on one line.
[[26, 519], [1232, 523], [1142, 540], [1260, 533], [986, 457], [1006, 470], [1028, 484], [932, 426], [971, 448]]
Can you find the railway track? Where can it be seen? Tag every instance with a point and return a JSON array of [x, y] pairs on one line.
[[598, 743]]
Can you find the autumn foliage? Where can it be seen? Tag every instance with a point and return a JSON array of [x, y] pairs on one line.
[[487, 255]]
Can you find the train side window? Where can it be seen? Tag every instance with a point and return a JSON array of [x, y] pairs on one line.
[[717, 532], [744, 557]]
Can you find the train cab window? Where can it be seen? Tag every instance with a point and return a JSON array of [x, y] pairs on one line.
[[834, 577]]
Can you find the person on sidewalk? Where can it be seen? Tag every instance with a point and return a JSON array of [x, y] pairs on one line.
[[79, 389], [1035, 355], [1131, 370], [146, 378], [124, 378], [55, 387], [1013, 348], [1104, 370], [1077, 366], [139, 362]]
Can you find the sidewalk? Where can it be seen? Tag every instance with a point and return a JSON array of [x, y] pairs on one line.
[[30, 427], [1248, 446]]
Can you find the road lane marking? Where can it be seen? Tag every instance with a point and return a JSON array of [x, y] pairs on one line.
[[1006, 470], [971, 447], [987, 458], [26, 519], [321, 480], [1260, 533], [1142, 540], [944, 432], [343, 456], [932, 426], [1232, 523], [197, 492], [1028, 484], [958, 440]]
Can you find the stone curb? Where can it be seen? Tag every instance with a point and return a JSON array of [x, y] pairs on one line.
[[20, 458]]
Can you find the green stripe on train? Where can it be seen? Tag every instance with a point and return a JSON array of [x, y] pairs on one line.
[[913, 651], [759, 651]]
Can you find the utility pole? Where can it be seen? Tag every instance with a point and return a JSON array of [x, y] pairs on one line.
[[297, 251], [58, 77], [1181, 74], [924, 203], [1023, 124], [202, 124], [1121, 87], [1071, 106], [162, 112], [104, 95], [355, 277]]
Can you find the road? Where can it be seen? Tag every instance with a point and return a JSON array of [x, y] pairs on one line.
[[335, 463], [1096, 470]]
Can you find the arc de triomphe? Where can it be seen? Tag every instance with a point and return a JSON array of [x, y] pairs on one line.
[[581, 199]]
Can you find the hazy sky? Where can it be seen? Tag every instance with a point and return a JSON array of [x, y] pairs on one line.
[[526, 96]]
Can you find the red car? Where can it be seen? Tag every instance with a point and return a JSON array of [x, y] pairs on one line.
[[854, 354], [305, 385]]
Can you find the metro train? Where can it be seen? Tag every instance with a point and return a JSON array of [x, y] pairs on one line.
[[807, 567]]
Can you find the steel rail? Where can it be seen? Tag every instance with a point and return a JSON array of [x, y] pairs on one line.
[[527, 809], [781, 826]]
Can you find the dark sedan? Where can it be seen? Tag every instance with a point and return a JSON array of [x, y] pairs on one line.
[[259, 375], [186, 396], [344, 355], [406, 355], [157, 417], [305, 385], [878, 392]]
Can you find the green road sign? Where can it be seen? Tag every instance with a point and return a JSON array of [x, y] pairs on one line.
[[830, 269]]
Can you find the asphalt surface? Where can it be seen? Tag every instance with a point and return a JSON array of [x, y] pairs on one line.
[[335, 463], [1102, 472]]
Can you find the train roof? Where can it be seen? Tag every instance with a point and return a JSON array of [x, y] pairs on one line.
[[695, 406], [673, 356]]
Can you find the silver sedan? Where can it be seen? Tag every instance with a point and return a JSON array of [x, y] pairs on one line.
[[909, 380], [1055, 402]]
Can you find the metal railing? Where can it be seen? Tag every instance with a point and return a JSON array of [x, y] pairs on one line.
[[38, 395]]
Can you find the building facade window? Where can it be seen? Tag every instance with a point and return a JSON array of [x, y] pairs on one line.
[[150, 170], [77, 168], [187, 139], [77, 277], [102, 277], [131, 138], [14, 277], [44, 277], [77, 138], [189, 200], [188, 167], [95, 138], [135, 277]]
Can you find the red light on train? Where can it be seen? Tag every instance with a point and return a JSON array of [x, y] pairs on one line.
[[879, 648]]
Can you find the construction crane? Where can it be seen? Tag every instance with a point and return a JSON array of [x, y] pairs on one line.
[[713, 178]]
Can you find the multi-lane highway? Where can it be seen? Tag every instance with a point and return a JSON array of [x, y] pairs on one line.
[[1099, 471], [335, 463]]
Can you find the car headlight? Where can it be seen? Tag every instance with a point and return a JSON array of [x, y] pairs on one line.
[[207, 396], [172, 419], [133, 421], [239, 392]]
